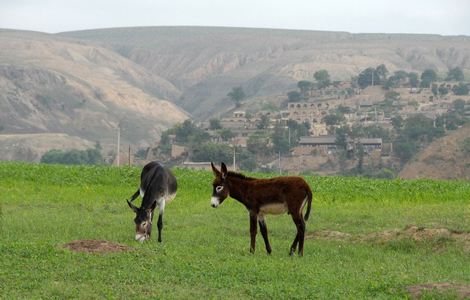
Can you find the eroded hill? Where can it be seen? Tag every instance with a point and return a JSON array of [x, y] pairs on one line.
[[444, 158], [205, 63], [51, 84]]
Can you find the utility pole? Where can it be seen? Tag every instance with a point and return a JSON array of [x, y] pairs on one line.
[[373, 78], [129, 157], [289, 136], [280, 163], [118, 144], [234, 160]]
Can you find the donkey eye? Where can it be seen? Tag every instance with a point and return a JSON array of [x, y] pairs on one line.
[[219, 188]]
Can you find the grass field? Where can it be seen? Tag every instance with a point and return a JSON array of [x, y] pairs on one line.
[[205, 251]]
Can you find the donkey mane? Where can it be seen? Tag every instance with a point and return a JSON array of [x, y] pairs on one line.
[[239, 176]]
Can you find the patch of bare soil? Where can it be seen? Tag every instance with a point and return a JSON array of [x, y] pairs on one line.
[[328, 234], [96, 246], [410, 232], [462, 291], [416, 233]]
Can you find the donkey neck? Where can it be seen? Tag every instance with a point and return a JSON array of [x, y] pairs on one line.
[[238, 186]]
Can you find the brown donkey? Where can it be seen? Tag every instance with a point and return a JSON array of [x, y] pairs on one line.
[[265, 196]]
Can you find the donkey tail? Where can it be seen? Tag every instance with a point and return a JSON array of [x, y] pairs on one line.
[[309, 203]]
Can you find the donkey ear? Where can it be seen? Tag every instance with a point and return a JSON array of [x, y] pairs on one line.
[[133, 207], [214, 170], [224, 170]]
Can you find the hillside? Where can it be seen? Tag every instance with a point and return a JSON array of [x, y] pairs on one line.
[[444, 158], [51, 84], [30, 147], [205, 63]]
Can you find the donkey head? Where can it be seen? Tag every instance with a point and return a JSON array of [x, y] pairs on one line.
[[220, 189], [143, 221]]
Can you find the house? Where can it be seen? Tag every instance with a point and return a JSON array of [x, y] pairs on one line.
[[327, 144], [196, 165]]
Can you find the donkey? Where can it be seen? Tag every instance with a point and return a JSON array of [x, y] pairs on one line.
[[157, 187], [265, 196]]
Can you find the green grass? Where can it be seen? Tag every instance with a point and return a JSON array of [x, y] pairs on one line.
[[205, 251]]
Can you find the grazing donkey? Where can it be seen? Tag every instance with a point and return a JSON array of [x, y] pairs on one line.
[[157, 187], [265, 196]]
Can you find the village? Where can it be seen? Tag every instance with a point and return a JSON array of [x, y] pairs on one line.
[[324, 110]]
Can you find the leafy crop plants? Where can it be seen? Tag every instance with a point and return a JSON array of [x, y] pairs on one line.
[[367, 239]]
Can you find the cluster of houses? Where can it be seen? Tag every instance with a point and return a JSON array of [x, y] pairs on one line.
[[357, 107]]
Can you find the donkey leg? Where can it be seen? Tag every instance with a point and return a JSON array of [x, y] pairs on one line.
[[253, 230], [294, 245], [301, 236], [136, 194], [160, 227], [264, 232], [296, 219], [160, 220]]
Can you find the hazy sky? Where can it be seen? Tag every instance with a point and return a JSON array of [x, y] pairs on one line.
[[449, 17]]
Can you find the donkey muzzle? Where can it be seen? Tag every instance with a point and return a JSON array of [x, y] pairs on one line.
[[214, 201]]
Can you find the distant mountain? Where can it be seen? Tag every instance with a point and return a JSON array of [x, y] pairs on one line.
[[205, 63], [444, 158], [52, 84]]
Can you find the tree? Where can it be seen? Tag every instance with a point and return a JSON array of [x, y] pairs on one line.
[[381, 72], [280, 139], [246, 160], [434, 89], [366, 78], [263, 123], [376, 131], [294, 96], [90, 156], [392, 82], [258, 145], [427, 77], [237, 95], [333, 119], [397, 123], [413, 79], [342, 134], [455, 74], [420, 128], [226, 134], [214, 124], [371, 76], [141, 153], [297, 130], [459, 106], [211, 152], [323, 78], [360, 158], [443, 90], [304, 87], [404, 149], [188, 133], [466, 146], [460, 89]]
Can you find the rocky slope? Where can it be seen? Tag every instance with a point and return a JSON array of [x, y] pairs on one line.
[[51, 84], [205, 63], [444, 159]]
